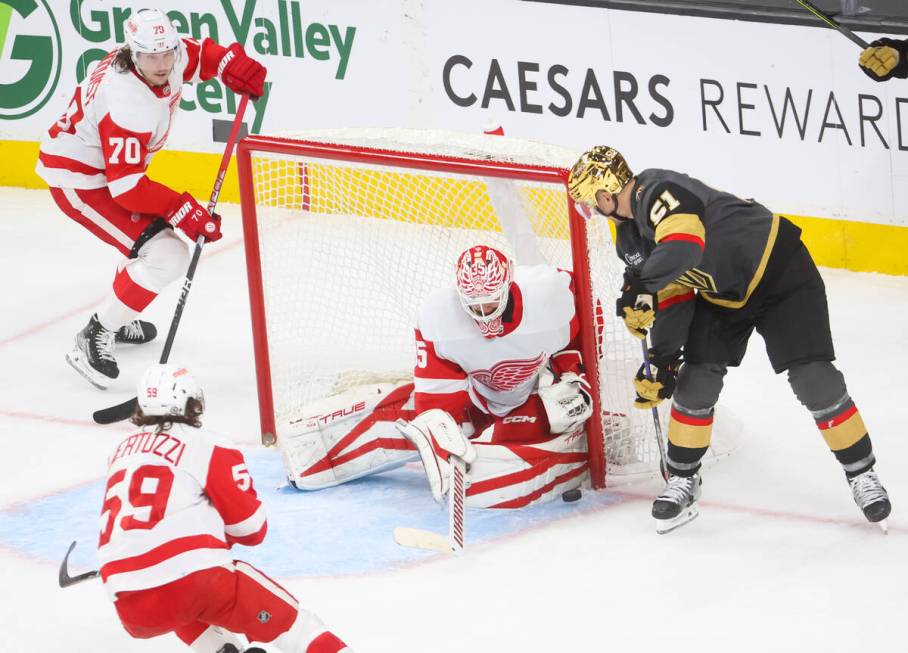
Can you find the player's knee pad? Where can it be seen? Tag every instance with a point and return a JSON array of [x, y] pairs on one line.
[[699, 385], [162, 259], [817, 385]]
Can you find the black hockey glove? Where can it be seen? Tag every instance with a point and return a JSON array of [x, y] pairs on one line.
[[637, 305], [651, 391], [884, 59]]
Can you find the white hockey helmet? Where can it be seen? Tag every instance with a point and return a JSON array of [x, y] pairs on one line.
[[165, 389], [149, 31], [483, 285]]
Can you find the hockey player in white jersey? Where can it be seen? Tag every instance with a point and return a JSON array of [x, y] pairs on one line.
[[497, 370], [94, 158], [177, 499]]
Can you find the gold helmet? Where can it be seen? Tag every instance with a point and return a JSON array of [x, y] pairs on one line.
[[601, 168]]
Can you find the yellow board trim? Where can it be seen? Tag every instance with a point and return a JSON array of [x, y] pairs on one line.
[[858, 246]]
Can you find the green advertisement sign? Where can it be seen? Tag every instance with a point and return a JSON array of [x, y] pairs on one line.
[[30, 57]]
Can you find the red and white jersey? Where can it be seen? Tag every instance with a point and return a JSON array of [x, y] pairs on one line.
[[175, 502], [456, 365], [115, 123]]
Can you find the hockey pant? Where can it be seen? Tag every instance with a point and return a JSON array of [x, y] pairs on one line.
[[155, 255], [353, 435], [200, 606]]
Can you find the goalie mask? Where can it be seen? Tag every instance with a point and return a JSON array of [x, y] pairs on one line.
[[483, 285], [149, 31], [601, 168], [164, 390]]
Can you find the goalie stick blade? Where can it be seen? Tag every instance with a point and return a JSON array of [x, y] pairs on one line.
[[116, 413], [419, 539], [65, 579]]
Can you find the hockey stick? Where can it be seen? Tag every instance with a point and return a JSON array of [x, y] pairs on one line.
[[657, 423], [124, 410], [834, 24], [65, 579], [453, 542]]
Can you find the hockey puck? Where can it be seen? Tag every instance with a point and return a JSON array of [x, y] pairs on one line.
[[572, 495]]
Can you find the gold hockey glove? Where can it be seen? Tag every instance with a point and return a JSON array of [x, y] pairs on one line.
[[884, 59], [661, 385], [636, 305]]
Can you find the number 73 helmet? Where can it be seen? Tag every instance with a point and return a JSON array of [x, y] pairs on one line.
[[601, 168]]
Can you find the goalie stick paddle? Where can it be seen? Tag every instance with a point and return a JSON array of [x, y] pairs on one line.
[[65, 579], [453, 542], [834, 24], [657, 424], [122, 411]]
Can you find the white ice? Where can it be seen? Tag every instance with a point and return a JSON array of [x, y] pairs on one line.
[[779, 560]]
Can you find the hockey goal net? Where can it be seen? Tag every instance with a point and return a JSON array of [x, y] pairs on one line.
[[347, 231]]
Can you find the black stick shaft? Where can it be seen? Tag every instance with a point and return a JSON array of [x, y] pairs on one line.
[[834, 24]]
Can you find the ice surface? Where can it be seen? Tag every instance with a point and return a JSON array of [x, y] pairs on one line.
[[780, 559]]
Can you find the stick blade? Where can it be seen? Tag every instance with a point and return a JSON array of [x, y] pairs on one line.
[[116, 413], [418, 538]]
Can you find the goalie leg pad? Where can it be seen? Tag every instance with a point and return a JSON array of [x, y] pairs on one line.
[[514, 475], [348, 436]]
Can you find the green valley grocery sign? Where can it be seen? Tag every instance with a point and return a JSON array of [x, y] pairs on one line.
[[30, 57]]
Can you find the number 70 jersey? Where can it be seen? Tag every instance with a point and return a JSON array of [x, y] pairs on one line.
[[175, 501]]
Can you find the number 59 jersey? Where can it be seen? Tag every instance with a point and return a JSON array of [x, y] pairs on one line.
[[175, 502]]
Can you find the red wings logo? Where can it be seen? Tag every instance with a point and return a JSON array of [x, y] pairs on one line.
[[508, 375]]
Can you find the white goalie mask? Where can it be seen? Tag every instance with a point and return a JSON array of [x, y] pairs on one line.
[[164, 390], [483, 285], [149, 31]]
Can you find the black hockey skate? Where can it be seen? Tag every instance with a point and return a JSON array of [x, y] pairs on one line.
[[871, 497], [93, 355], [137, 332], [677, 504]]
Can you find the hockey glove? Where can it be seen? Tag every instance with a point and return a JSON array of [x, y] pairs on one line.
[[241, 73], [637, 305], [884, 59], [194, 219], [568, 403], [651, 391]]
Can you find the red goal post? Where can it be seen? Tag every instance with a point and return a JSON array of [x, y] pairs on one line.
[[345, 234]]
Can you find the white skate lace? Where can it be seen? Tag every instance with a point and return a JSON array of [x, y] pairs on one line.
[[867, 489], [679, 489], [133, 331], [104, 344]]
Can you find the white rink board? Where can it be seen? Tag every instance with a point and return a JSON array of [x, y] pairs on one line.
[[383, 63]]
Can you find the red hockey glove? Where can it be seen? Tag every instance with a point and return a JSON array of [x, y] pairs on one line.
[[194, 219], [241, 73]]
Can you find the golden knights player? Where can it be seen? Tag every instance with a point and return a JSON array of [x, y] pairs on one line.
[[705, 269]]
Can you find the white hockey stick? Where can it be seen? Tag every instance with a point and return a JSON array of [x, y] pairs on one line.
[[453, 542]]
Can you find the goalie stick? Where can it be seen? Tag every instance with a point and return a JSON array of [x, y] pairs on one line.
[[65, 579], [124, 410], [834, 24], [453, 542]]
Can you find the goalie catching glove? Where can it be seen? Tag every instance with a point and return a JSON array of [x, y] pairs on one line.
[[884, 59], [565, 392], [437, 437], [661, 385], [637, 305]]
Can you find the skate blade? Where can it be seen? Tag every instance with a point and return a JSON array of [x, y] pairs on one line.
[[77, 362], [884, 526], [664, 526]]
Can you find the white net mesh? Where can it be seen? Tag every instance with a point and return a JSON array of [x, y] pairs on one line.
[[349, 249]]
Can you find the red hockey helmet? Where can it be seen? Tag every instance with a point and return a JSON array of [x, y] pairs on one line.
[[483, 284]]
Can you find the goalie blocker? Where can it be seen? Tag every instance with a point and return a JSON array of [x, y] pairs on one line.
[[514, 461]]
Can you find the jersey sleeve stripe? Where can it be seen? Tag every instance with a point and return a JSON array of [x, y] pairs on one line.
[[124, 184], [161, 553], [249, 526], [439, 386], [687, 225]]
